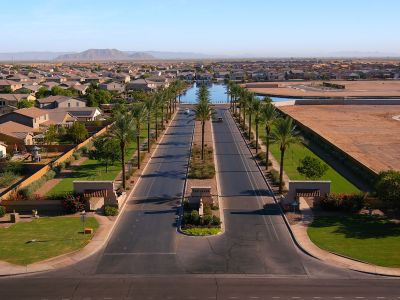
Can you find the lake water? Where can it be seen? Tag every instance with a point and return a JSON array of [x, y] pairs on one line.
[[217, 94]]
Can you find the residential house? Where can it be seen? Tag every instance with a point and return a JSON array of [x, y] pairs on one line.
[[112, 87], [31, 117], [3, 149], [81, 89], [82, 113], [15, 133], [18, 78], [9, 102], [52, 102], [9, 84], [142, 85]]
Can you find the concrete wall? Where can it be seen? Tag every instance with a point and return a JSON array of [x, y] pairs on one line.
[[262, 85], [81, 186], [323, 185], [45, 206], [48, 167], [348, 102]]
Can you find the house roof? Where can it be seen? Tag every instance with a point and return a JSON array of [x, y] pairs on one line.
[[87, 112], [15, 130], [13, 97], [8, 82], [59, 117], [51, 99], [31, 112]]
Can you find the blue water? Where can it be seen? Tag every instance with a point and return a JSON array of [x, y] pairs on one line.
[[217, 94]]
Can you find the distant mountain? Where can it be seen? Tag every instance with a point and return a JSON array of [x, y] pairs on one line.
[[179, 55], [103, 55], [30, 56]]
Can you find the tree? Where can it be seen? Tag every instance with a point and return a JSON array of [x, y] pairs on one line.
[[257, 108], [284, 135], [203, 113], [106, 150], [387, 187], [24, 103], [122, 130], [51, 134], [138, 114], [268, 117], [312, 168], [149, 104], [252, 102], [78, 132], [96, 97], [43, 92], [7, 90]]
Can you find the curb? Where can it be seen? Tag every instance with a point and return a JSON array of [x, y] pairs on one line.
[[108, 235], [272, 193], [293, 236]]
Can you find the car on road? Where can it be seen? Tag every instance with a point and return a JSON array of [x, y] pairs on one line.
[[187, 111]]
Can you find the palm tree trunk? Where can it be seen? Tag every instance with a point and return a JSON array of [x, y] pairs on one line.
[[249, 126], [156, 122], [138, 146], [148, 133], [267, 152], [202, 139], [162, 117], [256, 136], [122, 145], [244, 118], [281, 172]]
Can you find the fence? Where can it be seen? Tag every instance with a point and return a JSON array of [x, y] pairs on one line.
[[50, 165]]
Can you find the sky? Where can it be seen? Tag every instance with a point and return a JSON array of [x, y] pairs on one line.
[[263, 28]]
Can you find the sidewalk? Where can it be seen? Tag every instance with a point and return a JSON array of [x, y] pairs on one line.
[[100, 238], [300, 233]]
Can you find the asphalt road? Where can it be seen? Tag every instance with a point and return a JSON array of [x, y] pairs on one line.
[[254, 259]]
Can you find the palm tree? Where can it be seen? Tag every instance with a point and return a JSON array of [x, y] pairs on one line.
[[269, 117], [243, 105], [149, 104], [252, 100], [257, 107], [203, 112], [138, 114], [158, 99], [122, 130], [284, 135]]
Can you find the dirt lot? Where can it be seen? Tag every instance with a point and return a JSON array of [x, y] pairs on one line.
[[314, 89], [366, 132]]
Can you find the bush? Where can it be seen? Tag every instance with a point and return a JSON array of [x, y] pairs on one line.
[[84, 150], [76, 155], [387, 188], [207, 219], [7, 178], [2, 211], [111, 210], [343, 202], [73, 204], [28, 191], [274, 176], [62, 166], [215, 221], [312, 168]]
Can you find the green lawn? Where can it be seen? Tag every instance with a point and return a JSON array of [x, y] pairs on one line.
[[92, 169], [54, 236], [361, 237], [201, 231], [292, 159]]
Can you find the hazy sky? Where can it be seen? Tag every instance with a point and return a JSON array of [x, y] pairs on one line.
[[230, 27]]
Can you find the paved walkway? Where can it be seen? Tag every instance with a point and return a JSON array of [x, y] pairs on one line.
[[300, 232]]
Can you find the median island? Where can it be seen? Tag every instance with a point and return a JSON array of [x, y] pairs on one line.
[[201, 215]]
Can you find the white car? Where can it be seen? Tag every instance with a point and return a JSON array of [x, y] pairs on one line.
[[187, 111]]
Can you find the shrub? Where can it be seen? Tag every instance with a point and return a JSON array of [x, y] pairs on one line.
[[73, 204], [84, 150], [343, 202], [387, 188], [274, 176], [207, 219], [2, 211], [7, 178], [111, 210], [215, 221], [312, 168], [207, 210], [62, 166], [67, 163], [76, 155], [28, 191]]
